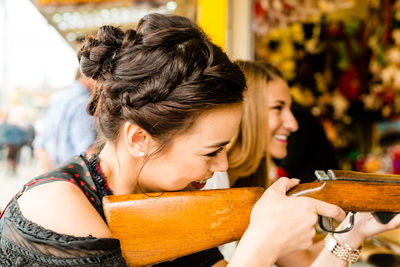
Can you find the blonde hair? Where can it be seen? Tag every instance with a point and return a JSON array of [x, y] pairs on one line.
[[248, 148]]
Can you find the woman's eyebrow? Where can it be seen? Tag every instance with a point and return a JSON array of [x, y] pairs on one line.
[[219, 144], [281, 102]]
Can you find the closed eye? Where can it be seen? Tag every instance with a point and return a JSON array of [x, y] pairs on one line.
[[215, 153], [277, 107]]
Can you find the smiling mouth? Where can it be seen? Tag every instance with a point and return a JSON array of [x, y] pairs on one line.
[[281, 137], [199, 184]]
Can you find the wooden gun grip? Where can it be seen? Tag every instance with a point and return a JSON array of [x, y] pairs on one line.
[[155, 229]]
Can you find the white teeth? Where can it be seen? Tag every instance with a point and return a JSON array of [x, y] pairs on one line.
[[281, 137], [201, 181]]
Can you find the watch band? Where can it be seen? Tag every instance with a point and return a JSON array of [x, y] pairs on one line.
[[345, 253]]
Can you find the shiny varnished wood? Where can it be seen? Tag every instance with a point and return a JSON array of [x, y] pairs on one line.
[[154, 229], [361, 176], [353, 195]]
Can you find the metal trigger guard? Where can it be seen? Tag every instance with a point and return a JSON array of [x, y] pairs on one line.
[[322, 219]]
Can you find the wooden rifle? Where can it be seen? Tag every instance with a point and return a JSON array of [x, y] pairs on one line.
[[156, 227]]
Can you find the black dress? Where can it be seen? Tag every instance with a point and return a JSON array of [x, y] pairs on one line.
[[24, 243]]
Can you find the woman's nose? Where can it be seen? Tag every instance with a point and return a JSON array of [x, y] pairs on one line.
[[220, 162], [291, 122]]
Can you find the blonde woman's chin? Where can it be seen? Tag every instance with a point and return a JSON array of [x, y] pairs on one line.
[[278, 151]]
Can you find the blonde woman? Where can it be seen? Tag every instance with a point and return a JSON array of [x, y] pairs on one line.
[[265, 127], [266, 124]]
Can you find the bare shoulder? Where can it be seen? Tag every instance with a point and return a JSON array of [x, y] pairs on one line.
[[63, 208]]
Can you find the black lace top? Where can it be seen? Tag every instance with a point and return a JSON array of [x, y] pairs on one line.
[[24, 243]]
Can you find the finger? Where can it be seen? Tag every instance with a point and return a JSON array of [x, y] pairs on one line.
[[395, 221], [329, 210], [282, 185]]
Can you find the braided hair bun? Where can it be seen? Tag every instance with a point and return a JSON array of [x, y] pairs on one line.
[[160, 77], [96, 54]]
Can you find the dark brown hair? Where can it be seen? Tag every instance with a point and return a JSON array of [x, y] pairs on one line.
[[160, 77]]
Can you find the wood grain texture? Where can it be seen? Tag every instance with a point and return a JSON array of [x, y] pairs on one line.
[[353, 195], [154, 229], [361, 176]]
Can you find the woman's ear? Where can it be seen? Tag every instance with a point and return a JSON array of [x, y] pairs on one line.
[[137, 139]]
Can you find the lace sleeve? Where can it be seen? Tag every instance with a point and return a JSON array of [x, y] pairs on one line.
[[24, 243]]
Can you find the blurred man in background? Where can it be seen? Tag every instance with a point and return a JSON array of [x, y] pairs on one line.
[[66, 129]]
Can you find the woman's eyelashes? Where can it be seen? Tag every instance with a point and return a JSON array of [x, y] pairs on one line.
[[215, 153], [277, 107]]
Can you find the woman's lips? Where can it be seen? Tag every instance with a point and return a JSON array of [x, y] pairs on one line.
[[198, 185], [281, 138]]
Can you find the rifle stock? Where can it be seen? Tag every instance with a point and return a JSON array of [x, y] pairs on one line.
[[155, 228]]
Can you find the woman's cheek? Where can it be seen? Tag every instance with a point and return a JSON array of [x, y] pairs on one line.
[[203, 170], [273, 124]]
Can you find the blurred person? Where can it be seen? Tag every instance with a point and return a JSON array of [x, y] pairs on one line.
[[264, 136], [270, 121], [12, 138], [66, 129], [23, 116], [266, 126], [30, 131], [308, 148]]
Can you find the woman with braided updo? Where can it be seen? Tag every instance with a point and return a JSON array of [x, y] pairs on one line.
[[167, 102]]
